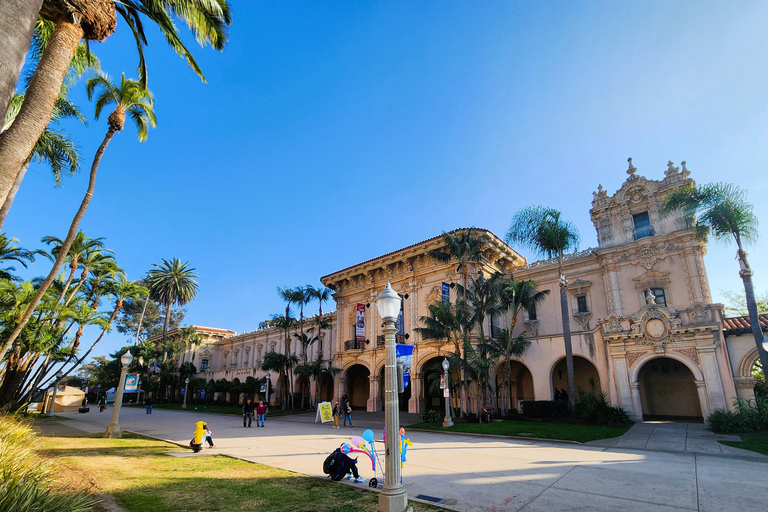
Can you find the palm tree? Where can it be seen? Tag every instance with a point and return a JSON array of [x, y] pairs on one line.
[[130, 97], [95, 20], [171, 283], [281, 364], [463, 245], [17, 22], [507, 346], [722, 210], [81, 247], [10, 251], [286, 323], [543, 230]]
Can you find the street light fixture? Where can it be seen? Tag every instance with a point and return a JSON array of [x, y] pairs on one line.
[[447, 422], [268, 384], [393, 497], [53, 395], [186, 392], [113, 430]]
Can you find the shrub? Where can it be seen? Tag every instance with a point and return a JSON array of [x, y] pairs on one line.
[[593, 406], [544, 408], [750, 416], [26, 481], [432, 416]]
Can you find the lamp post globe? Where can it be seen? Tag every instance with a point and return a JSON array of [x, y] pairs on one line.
[[186, 392], [113, 429], [447, 421], [53, 395], [393, 497]]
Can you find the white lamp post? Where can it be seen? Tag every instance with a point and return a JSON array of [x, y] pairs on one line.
[[268, 383], [393, 497], [447, 422], [186, 392], [113, 430], [53, 395]]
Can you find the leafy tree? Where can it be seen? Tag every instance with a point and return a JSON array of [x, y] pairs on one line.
[[722, 211], [280, 363], [11, 251], [464, 246], [140, 323], [737, 304], [543, 230]]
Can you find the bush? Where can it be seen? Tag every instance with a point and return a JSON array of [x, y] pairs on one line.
[[26, 481], [593, 406], [544, 408], [432, 416], [750, 416]]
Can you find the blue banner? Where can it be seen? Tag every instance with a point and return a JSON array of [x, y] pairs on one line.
[[400, 320], [446, 292], [404, 356]]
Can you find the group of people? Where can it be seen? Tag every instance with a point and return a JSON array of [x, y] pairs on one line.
[[561, 394], [344, 408], [248, 411]]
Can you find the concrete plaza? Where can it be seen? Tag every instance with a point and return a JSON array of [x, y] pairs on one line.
[[654, 467]]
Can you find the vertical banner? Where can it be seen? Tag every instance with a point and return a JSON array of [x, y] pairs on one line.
[[131, 382], [446, 292], [400, 323], [404, 355], [360, 323]]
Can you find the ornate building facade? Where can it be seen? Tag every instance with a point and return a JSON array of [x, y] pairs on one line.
[[643, 324]]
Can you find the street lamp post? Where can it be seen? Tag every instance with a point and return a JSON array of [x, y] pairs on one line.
[[268, 384], [447, 422], [393, 497], [53, 395], [186, 392], [113, 430]]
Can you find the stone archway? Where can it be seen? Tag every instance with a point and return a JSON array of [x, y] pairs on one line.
[[358, 385], [326, 389], [402, 398], [583, 369], [668, 390], [521, 387], [431, 371]]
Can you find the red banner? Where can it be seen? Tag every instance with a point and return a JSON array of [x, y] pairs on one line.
[[360, 323]]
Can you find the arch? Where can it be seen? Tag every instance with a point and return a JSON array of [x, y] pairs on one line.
[[668, 389], [746, 363], [402, 397], [521, 384], [326, 388], [583, 369], [430, 370], [358, 385], [349, 364], [635, 370]]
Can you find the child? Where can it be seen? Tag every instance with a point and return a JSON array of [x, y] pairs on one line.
[[336, 414], [208, 435]]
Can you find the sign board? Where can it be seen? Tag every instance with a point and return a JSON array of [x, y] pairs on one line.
[[62, 386], [360, 323], [324, 412], [446, 292], [442, 382], [447, 393], [183, 390], [263, 388], [131, 382], [404, 356]]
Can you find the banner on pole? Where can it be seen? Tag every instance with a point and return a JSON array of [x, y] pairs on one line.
[[400, 323], [446, 292], [360, 323], [404, 356], [131, 382]]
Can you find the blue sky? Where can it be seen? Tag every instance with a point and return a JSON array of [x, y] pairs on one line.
[[332, 132]]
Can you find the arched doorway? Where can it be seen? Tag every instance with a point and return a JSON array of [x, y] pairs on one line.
[[358, 385], [402, 398], [583, 370], [520, 387], [431, 371], [326, 389], [668, 390]]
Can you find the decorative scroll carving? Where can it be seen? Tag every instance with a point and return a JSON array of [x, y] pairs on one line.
[[435, 293], [647, 254], [745, 382], [699, 315], [691, 353], [532, 326], [583, 319], [632, 357], [612, 325]]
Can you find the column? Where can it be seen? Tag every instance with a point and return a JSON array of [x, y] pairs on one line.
[[374, 394], [711, 372], [637, 404], [623, 387], [416, 403], [701, 388]]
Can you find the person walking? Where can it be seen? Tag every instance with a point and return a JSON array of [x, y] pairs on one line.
[[336, 414], [261, 412], [102, 403], [247, 413], [148, 402], [346, 408], [208, 435]]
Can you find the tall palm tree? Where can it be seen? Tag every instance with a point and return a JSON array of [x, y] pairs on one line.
[[132, 98], [285, 323], [17, 22], [464, 246], [81, 247], [171, 283], [95, 20], [508, 346], [722, 210], [543, 230], [11, 251], [279, 363]]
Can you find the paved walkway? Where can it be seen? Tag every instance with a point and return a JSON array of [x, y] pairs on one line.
[[470, 473]]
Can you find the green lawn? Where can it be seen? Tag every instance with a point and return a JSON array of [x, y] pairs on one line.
[[218, 409], [141, 477], [754, 442], [559, 431]]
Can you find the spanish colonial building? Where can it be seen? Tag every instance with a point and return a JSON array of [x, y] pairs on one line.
[[643, 323]]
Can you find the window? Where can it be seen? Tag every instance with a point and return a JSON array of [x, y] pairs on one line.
[[203, 365], [643, 226], [661, 299], [581, 304], [495, 326], [532, 312]]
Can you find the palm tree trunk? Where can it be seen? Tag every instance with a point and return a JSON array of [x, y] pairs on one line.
[[12, 194], [567, 340], [17, 143], [166, 323], [17, 23], [754, 319], [73, 229], [141, 319]]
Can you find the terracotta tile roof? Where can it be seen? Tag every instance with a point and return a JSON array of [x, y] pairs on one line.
[[740, 324]]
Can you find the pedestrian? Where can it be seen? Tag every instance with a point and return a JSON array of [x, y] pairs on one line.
[[563, 394], [346, 408], [336, 414], [247, 413], [261, 411], [558, 396], [102, 403], [208, 435], [343, 465], [148, 402]]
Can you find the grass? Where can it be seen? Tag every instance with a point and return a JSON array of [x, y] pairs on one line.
[[754, 442], [139, 475], [216, 409], [541, 430]]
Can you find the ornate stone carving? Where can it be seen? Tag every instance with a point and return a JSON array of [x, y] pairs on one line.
[[632, 357], [655, 328], [579, 287], [632, 169], [532, 326], [646, 254], [671, 169], [583, 319], [699, 315], [691, 353], [435, 293], [744, 382], [612, 325]]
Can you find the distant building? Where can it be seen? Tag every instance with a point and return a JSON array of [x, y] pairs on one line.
[[642, 319]]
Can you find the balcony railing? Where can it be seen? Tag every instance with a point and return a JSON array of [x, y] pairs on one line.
[[354, 345], [643, 231], [399, 338]]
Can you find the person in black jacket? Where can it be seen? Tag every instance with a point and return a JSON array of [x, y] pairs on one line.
[[344, 465], [247, 412]]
